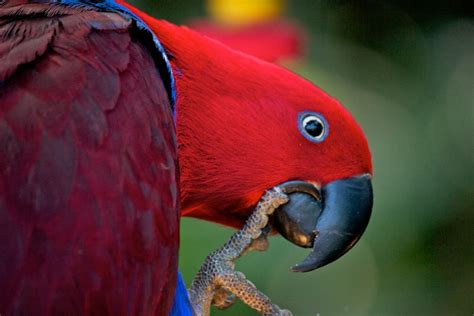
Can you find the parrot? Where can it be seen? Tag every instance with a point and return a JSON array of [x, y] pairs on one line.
[[114, 124]]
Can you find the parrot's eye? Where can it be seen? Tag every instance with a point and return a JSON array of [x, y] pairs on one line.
[[313, 126]]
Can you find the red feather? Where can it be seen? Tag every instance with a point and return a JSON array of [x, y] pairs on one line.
[[88, 184]]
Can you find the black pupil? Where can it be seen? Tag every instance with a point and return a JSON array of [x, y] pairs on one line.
[[314, 128]]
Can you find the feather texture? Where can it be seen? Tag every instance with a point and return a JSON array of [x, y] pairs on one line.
[[88, 183]]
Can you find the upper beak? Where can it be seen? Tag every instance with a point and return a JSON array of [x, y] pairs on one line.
[[331, 222]]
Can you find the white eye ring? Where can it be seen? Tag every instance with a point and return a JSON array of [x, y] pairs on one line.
[[313, 126]]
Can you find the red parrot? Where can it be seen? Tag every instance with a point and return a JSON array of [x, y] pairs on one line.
[[90, 195]]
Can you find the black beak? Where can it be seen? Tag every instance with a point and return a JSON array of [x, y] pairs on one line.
[[331, 222]]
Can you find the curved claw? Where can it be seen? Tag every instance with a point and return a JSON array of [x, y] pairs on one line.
[[300, 186], [331, 226]]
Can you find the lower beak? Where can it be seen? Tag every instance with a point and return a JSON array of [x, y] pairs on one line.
[[331, 222]]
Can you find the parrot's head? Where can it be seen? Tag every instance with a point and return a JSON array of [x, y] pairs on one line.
[[245, 126]]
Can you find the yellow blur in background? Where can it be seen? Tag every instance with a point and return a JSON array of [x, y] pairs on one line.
[[244, 12]]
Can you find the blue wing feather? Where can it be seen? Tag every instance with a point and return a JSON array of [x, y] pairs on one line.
[[181, 305]]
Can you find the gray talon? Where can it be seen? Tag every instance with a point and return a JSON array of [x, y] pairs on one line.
[[218, 283]]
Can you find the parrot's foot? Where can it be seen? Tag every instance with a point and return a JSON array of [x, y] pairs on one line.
[[223, 298], [218, 283]]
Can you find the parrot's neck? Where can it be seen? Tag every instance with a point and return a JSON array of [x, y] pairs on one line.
[[204, 72]]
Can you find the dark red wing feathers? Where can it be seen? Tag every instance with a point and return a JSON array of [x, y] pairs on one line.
[[88, 191]]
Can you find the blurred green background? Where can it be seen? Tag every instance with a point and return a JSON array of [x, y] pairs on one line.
[[405, 69]]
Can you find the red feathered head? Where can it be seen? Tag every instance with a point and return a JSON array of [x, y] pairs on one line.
[[245, 125]]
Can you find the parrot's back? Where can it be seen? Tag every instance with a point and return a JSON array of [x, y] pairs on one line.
[[88, 191]]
